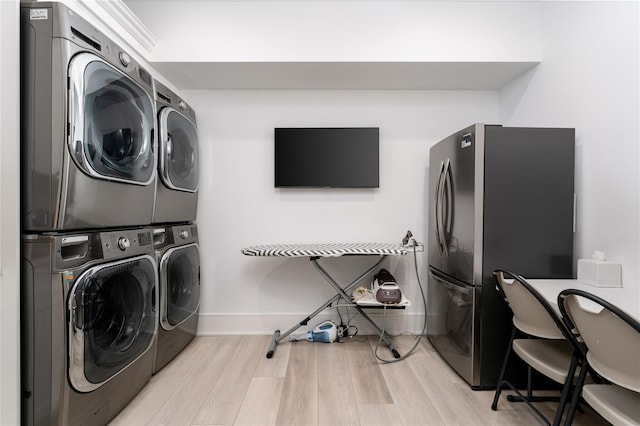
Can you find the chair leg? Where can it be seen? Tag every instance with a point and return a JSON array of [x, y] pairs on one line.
[[577, 392], [522, 398], [518, 398], [566, 389], [494, 405], [530, 397]]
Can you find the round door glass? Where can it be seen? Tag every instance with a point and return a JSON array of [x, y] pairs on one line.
[[183, 285], [118, 120], [117, 315], [180, 154]]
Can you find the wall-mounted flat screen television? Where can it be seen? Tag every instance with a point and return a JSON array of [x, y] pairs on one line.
[[346, 157]]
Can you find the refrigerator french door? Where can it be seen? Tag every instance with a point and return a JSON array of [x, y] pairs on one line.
[[499, 197]]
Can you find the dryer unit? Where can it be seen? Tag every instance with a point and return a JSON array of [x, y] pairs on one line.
[[177, 185], [178, 259], [89, 322], [87, 126]]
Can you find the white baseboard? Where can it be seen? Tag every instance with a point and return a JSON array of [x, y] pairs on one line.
[[394, 322]]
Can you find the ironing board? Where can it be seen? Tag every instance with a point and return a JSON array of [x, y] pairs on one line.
[[316, 251]]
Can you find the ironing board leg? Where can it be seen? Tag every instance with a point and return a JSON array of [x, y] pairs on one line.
[[382, 334], [274, 343], [342, 292], [278, 336]]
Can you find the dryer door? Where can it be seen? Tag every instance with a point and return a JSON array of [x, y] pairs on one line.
[[112, 319], [178, 151], [179, 285], [112, 120]]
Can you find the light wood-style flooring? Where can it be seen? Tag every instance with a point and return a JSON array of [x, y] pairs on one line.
[[227, 380]]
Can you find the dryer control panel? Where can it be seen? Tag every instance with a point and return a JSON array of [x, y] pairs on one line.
[[124, 243], [185, 234]]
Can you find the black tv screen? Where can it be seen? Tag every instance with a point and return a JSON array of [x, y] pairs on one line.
[[327, 157]]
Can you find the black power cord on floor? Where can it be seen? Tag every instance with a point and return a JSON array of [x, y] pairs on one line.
[[345, 331]]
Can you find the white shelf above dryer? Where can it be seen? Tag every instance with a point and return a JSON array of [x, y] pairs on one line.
[[343, 75]]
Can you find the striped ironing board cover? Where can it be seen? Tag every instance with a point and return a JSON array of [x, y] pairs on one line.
[[325, 250]]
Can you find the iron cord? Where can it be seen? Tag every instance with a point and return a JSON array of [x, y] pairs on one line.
[[384, 317]]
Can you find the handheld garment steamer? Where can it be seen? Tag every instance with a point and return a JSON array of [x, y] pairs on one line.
[[325, 332]]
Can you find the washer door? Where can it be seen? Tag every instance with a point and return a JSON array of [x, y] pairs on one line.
[[179, 285], [178, 151], [112, 120], [112, 319]]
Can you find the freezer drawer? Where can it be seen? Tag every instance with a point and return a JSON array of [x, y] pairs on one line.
[[453, 323]]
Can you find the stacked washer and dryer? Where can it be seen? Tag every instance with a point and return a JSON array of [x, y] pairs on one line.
[[175, 233], [110, 279]]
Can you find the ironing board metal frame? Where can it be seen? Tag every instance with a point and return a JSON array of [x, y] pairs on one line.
[[315, 252]]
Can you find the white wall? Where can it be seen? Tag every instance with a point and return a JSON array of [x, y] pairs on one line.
[[584, 44], [240, 207], [9, 222], [589, 79], [349, 31]]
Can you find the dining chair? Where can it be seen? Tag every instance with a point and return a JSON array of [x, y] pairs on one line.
[[612, 339], [547, 348]]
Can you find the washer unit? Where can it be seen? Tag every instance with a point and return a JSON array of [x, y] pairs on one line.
[[177, 186], [88, 121], [178, 257], [89, 326]]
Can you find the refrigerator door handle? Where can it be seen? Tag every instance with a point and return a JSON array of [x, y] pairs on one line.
[[575, 210], [437, 207], [455, 288], [447, 202], [447, 282]]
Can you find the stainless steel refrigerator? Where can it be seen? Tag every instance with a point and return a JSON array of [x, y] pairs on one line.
[[499, 197]]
